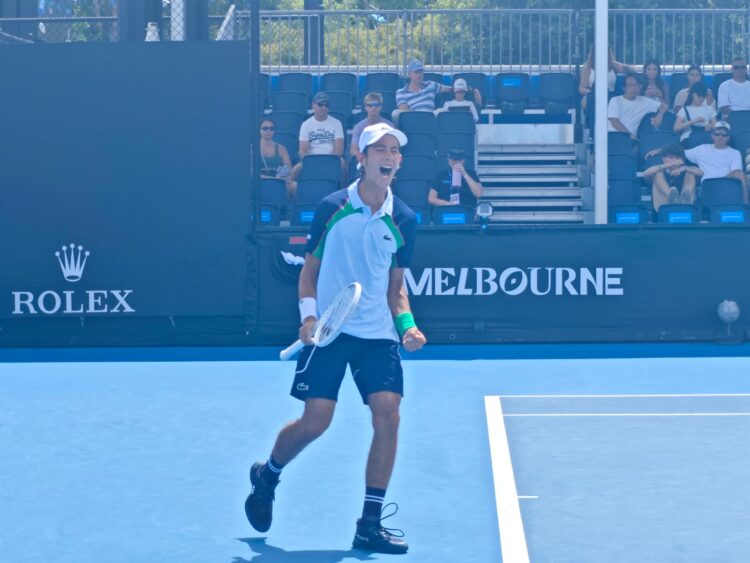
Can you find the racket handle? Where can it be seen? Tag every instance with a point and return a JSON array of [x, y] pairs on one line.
[[291, 351]]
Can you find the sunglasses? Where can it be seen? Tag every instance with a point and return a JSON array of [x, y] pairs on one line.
[[266, 128], [373, 104], [721, 134], [739, 67], [322, 104]]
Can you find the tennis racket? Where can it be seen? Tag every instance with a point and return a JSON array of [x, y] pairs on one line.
[[331, 322]]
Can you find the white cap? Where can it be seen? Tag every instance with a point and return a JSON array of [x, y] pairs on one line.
[[460, 85], [722, 124], [373, 133]]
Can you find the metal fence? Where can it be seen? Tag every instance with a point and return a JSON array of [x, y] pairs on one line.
[[446, 40]]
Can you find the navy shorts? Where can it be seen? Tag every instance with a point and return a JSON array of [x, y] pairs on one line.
[[375, 365]]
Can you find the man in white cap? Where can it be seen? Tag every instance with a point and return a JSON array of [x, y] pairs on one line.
[[460, 102], [362, 233], [719, 160], [417, 95]]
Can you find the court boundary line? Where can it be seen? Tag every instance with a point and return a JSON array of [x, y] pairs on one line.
[[637, 414], [631, 396], [512, 537]]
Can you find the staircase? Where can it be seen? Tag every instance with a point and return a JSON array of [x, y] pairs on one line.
[[535, 183]]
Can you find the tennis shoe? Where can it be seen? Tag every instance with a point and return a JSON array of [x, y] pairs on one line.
[[259, 504], [372, 536]]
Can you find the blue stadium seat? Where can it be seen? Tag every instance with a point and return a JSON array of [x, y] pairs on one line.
[[722, 191], [455, 122], [678, 214], [302, 215], [417, 122], [295, 102], [321, 167], [412, 192], [740, 140], [730, 214], [433, 77], [624, 192], [419, 143], [287, 121], [619, 143], [290, 141], [422, 214], [339, 82], [296, 82], [557, 91], [341, 102], [344, 119], [666, 125], [312, 191], [512, 92], [272, 199], [622, 168], [382, 82], [417, 168], [448, 141], [478, 81], [627, 215], [452, 215], [739, 121]]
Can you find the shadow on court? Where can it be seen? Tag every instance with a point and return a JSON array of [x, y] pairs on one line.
[[265, 553]]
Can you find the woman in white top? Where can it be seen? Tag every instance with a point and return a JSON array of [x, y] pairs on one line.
[[656, 88], [586, 84], [695, 117], [694, 75]]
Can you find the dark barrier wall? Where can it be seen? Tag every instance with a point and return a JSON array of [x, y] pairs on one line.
[[550, 284], [137, 154]]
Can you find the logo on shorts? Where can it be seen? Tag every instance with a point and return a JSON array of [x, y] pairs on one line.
[[303, 387]]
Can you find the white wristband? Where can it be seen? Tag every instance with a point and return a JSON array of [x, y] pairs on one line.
[[308, 307]]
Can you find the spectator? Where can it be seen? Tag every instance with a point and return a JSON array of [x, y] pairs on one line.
[[460, 89], [673, 181], [626, 112], [320, 134], [442, 192], [694, 76], [734, 94], [719, 160], [274, 158], [373, 105], [695, 118], [586, 84], [417, 95], [656, 88]]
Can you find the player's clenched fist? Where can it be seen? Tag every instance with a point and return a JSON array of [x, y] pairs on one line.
[[413, 339]]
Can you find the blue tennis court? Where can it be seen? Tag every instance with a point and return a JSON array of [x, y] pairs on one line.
[[564, 460]]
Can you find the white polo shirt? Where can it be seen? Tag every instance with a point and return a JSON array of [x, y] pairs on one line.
[[355, 244], [630, 112]]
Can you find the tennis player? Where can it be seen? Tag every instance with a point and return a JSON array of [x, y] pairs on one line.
[[364, 234]]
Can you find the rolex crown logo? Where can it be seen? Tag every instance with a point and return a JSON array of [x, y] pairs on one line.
[[72, 261]]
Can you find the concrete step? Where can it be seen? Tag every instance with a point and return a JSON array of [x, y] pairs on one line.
[[526, 149], [520, 170], [539, 217], [535, 203], [530, 192], [525, 157], [538, 180]]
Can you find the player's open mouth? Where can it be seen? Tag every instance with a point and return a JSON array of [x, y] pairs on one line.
[[386, 170]]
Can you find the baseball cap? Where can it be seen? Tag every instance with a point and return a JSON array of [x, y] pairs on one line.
[[374, 133], [723, 124], [460, 85], [415, 65], [320, 97]]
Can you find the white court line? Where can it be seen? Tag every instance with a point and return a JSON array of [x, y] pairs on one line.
[[512, 538], [624, 396], [572, 414]]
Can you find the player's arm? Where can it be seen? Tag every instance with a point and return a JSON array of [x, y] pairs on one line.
[[308, 283], [398, 302]]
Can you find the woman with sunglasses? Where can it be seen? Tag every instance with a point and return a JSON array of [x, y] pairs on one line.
[[373, 103], [274, 158]]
